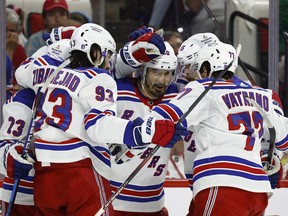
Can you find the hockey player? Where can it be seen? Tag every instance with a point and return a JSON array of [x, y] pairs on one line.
[[65, 146], [144, 195], [186, 57], [227, 168], [17, 115]]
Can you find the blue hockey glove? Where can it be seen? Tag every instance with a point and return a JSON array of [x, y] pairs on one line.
[[16, 166], [162, 132], [273, 171], [133, 134], [139, 32], [144, 49]]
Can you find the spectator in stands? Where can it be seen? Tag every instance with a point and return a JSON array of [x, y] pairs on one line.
[[21, 32], [77, 19], [174, 38], [55, 13], [200, 21], [14, 49], [160, 7]]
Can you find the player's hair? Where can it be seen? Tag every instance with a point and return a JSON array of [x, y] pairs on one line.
[[12, 17], [80, 59], [228, 75]]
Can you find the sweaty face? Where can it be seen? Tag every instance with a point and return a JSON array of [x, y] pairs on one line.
[[157, 81]]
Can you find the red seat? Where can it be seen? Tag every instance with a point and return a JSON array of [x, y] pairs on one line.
[[34, 23]]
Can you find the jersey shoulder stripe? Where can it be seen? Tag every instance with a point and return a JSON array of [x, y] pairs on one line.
[[24, 96], [47, 60], [92, 72], [170, 111]]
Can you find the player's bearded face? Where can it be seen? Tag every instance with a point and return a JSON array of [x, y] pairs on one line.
[[157, 81]]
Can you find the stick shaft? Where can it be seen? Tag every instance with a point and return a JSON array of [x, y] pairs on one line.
[[271, 129]]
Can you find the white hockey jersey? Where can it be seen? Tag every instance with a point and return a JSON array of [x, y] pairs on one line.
[[16, 120], [61, 136], [145, 192], [228, 131]]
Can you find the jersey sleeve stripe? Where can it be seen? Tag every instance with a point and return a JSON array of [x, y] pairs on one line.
[[92, 117], [283, 144]]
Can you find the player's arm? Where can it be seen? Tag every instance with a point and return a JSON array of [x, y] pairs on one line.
[[143, 46], [103, 126], [16, 119]]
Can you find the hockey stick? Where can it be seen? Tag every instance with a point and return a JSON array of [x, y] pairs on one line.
[[271, 129], [155, 149], [250, 78], [31, 129]]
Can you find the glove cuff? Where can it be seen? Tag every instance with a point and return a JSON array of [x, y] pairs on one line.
[[148, 129], [55, 34], [127, 57], [128, 135]]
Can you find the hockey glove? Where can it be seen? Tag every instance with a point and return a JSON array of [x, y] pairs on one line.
[[58, 34], [144, 49], [273, 171], [162, 132], [139, 32], [123, 153], [16, 166], [114, 148], [133, 134]]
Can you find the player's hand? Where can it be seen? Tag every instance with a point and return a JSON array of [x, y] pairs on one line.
[[274, 170], [133, 133], [16, 166], [275, 179], [147, 47], [162, 132], [59, 34], [114, 148]]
